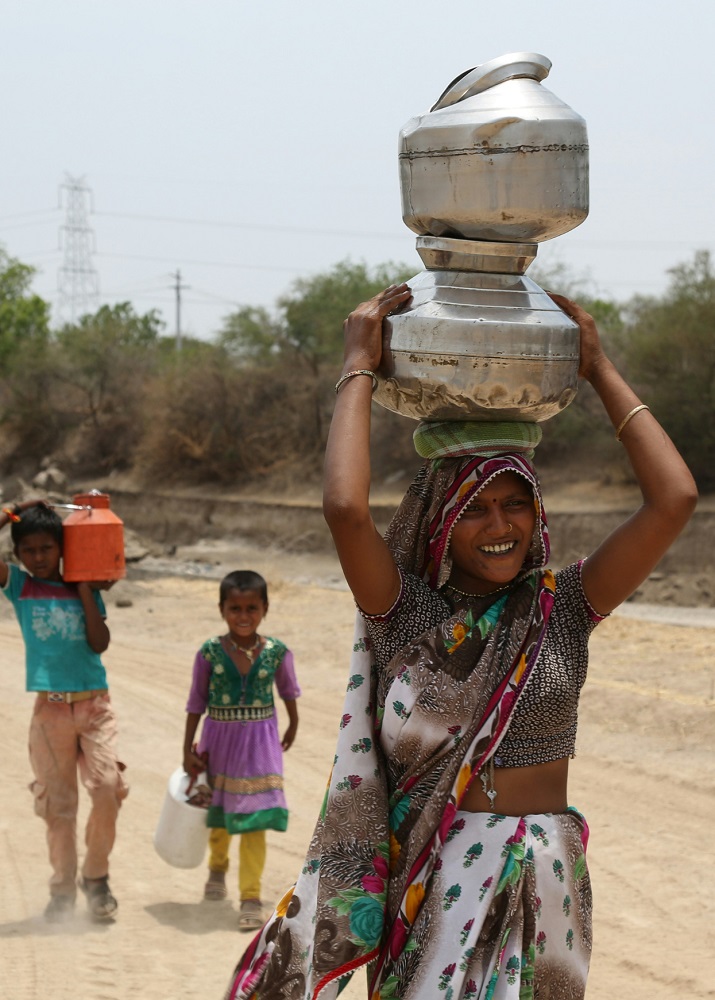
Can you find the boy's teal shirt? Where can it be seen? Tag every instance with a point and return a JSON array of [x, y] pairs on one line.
[[52, 622]]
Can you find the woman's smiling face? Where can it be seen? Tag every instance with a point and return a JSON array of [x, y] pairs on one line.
[[492, 536]]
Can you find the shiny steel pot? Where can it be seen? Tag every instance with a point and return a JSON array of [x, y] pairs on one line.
[[477, 346], [498, 158]]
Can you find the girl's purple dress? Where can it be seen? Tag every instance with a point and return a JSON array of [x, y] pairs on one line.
[[240, 734]]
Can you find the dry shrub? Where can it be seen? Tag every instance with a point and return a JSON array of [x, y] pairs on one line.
[[104, 439], [213, 422], [33, 421]]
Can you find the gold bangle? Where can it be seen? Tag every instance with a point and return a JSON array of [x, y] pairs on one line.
[[361, 371], [629, 416]]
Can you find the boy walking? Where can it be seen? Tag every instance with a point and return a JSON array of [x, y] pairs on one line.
[[73, 724]]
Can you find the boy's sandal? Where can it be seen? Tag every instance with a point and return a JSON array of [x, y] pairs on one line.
[[251, 916], [102, 904], [215, 888]]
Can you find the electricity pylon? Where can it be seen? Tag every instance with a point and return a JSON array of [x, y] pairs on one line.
[[77, 280]]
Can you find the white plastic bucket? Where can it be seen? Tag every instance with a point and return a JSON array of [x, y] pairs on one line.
[[181, 835]]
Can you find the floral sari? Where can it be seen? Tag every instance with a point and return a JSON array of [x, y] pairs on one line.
[[412, 737]]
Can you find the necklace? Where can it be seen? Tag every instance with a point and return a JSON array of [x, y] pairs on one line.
[[463, 593], [250, 651]]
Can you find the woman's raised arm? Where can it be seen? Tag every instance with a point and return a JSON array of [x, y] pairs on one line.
[[630, 553], [367, 563]]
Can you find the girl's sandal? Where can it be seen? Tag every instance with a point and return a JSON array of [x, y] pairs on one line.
[[251, 916], [215, 888]]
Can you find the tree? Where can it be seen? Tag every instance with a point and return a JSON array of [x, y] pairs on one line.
[[307, 332], [310, 317], [26, 371], [313, 313], [104, 360], [24, 317], [251, 335], [670, 350]]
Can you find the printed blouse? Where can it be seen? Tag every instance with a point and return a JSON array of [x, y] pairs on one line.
[[544, 723]]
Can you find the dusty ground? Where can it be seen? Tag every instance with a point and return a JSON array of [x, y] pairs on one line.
[[644, 775]]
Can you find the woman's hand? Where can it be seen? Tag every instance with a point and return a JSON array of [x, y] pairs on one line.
[[362, 329], [592, 354]]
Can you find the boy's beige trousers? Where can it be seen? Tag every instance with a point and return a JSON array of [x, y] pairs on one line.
[[64, 739]]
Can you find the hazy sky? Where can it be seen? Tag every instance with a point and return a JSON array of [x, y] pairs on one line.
[[248, 144]]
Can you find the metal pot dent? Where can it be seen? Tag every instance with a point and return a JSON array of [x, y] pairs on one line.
[[498, 157]]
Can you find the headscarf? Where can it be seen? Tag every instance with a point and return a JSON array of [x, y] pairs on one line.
[[420, 531]]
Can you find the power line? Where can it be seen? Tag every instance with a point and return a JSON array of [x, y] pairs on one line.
[[203, 263], [196, 262], [254, 226], [34, 211], [26, 225], [355, 234], [31, 254], [216, 298], [358, 234]]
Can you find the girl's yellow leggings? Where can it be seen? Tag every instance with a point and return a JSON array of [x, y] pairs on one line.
[[251, 859]]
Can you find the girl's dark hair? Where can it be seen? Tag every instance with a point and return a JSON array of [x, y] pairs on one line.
[[243, 579], [35, 520]]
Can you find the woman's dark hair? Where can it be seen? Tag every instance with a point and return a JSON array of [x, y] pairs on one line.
[[35, 520], [243, 579]]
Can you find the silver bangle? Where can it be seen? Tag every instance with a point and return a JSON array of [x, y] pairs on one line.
[[629, 416], [361, 371]]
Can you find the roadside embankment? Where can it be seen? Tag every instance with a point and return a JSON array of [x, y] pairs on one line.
[[174, 519]]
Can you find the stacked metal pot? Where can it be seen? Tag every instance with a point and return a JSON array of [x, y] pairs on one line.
[[496, 166]]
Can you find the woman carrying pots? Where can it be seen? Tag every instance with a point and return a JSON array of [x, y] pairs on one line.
[[447, 857]]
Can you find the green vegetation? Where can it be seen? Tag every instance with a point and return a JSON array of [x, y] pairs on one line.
[[669, 346], [110, 392], [24, 317]]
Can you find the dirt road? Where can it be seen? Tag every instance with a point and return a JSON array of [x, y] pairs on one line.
[[644, 776]]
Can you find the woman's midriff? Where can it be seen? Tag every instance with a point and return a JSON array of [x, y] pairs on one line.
[[521, 791]]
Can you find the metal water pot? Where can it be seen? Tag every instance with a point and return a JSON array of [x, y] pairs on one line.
[[498, 157], [497, 165], [477, 346]]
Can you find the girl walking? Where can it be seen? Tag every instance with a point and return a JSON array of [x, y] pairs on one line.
[[240, 748]]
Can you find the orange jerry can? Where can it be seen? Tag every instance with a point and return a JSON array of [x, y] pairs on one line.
[[93, 541]]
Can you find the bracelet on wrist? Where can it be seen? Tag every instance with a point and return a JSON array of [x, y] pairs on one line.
[[359, 371], [12, 513], [628, 417]]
